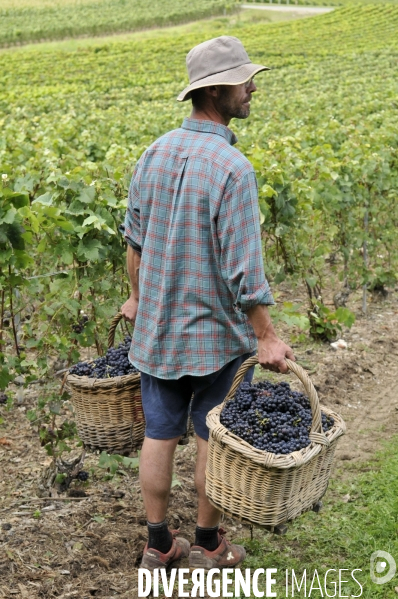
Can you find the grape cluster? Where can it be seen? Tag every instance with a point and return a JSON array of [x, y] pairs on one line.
[[114, 363], [3, 398], [82, 475], [79, 326], [271, 417]]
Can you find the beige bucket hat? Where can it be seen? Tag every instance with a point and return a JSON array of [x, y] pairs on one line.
[[219, 61]]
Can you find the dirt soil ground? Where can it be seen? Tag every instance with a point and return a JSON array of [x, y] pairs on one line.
[[90, 547]]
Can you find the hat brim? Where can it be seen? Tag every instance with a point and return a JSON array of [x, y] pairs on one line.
[[234, 76]]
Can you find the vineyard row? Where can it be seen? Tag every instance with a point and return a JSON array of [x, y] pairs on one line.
[[20, 25], [322, 137]]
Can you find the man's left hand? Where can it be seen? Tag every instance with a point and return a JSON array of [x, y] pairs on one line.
[[129, 310], [272, 353]]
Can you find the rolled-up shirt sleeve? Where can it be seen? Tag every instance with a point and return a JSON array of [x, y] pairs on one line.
[[238, 231], [131, 228]]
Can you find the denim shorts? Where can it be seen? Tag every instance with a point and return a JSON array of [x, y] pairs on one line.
[[167, 403]]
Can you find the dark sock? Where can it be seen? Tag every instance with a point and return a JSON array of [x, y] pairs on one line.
[[207, 538], [159, 537]]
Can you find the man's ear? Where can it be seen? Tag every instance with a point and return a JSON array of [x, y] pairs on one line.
[[212, 90]]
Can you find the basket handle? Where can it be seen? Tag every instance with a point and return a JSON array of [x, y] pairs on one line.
[[112, 329], [316, 434]]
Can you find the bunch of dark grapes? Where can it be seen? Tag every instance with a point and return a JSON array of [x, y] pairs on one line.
[[79, 326], [82, 475], [82, 369], [114, 363], [3, 398], [271, 417]]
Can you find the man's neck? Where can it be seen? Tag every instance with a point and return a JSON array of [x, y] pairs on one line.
[[209, 114]]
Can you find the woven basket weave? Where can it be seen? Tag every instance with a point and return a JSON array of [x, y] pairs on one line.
[[109, 415], [263, 488]]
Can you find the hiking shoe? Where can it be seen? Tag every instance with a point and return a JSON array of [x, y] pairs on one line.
[[226, 555], [152, 558]]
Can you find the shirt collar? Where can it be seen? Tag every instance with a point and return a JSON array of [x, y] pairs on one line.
[[210, 127]]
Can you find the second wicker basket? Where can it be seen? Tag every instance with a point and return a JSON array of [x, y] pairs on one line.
[[109, 414]]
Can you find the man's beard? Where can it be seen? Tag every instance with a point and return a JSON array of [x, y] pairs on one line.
[[229, 107]]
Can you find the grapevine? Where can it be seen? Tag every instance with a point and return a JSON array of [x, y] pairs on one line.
[[322, 142], [29, 23]]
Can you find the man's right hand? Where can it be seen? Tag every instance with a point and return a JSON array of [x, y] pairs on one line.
[[272, 351], [129, 310]]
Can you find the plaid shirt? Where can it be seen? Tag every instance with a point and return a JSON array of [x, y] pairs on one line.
[[193, 211]]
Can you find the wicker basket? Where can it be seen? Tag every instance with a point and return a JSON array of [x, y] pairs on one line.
[[109, 415], [263, 488]]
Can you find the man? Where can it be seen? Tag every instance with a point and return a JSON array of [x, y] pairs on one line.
[[199, 295]]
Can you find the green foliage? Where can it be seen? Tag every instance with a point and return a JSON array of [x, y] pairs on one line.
[[291, 315], [175, 482], [323, 143], [114, 463], [323, 3], [12, 366], [379, 278], [98, 518], [5, 372], [55, 432], [344, 534], [325, 324], [60, 478], [22, 24]]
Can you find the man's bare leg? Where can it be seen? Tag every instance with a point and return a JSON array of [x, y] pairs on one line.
[[210, 550], [208, 515], [156, 471]]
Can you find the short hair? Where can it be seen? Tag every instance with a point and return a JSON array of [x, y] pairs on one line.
[[198, 97]]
